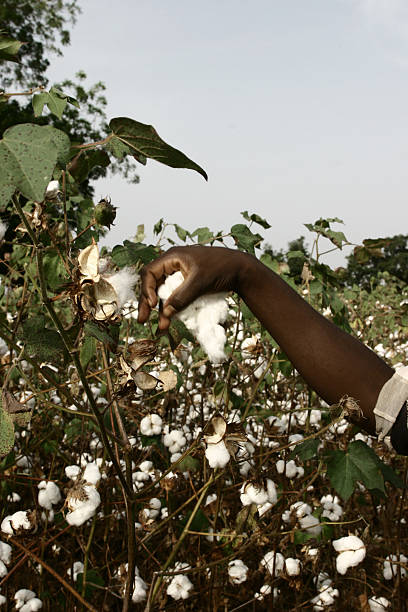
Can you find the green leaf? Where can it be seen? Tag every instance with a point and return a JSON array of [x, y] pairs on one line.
[[181, 233], [158, 226], [358, 463], [189, 464], [306, 450], [132, 253], [244, 238], [87, 161], [107, 334], [54, 270], [88, 350], [203, 234], [6, 432], [9, 49], [179, 331], [131, 136], [40, 342], [28, 156], [92, 578], [256, 218], [55, 99]]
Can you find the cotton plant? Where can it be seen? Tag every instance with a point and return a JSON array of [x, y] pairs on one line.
[[99, 294], [180, 586], [202, 318], [49, 494], [351, 551]]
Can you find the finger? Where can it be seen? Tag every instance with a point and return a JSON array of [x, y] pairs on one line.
[[143, 310], [183, 296]]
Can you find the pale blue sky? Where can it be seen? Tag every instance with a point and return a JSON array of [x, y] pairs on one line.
[[296, 109]]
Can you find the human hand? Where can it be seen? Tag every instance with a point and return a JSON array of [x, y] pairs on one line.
[[205, 270]]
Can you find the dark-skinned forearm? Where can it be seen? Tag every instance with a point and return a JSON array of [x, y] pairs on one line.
[[331, 361]]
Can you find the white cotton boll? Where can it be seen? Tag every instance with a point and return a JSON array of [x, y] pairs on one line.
[[140, 590], [72, 471], [13, 522], [3, 230], [202, 317], [292, 566], [26, 601], [75, 570], [331, 507], [146, 466], [180, 586], [48, 494], [217, 455], [237, 571], [378, 604], [352, 552], [2, 600], [52, 190], [174, 440], [3, 348], [3, 570], [92, 474], [253, 494], [391, 570], [82, 510], [311, 524], [5, 552], [273, 561], [151, 425], [123, 283]]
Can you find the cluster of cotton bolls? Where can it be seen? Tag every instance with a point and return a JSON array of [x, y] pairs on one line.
[[140, 587], [180, 586], [76, 569], [151, 425], [83, 498], [327, 594], [149, 514], [175, 440], [144, 473], [290, 469], [276, 563], [203, 317], [264, 498], [331, 507]]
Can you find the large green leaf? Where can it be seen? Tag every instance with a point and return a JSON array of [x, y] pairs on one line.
[[358, 463], [28, 156], [132, 253], [9, 49], [40, 342], [108, 334], [141, 140], [55, 99], [244, 238]]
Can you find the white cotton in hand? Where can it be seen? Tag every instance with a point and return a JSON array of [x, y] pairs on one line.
[[202, 317]]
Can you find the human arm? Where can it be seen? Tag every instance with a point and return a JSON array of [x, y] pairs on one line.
[[331, 361]]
